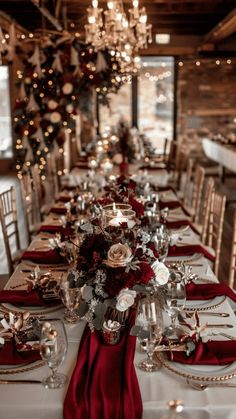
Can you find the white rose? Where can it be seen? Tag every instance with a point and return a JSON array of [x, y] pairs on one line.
[[52, 104], [118, 255], [125, 299], [69, 108], [161, 272], [67, 88], [55, 117]]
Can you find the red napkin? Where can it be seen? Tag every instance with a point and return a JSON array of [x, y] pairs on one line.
[[172, 205], [64, 198], [208, 291], [10, 356], [104, 383], [64, 231], [48, 257], [190, 250], [58, 210], [209, 353], [21, 297], [180, 223]]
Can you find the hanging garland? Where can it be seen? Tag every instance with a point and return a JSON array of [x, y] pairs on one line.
[[55, 85]]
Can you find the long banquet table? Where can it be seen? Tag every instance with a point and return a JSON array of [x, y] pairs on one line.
[[224, 155], [34, 401]]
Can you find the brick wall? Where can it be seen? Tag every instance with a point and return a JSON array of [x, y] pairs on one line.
[[206, 98]]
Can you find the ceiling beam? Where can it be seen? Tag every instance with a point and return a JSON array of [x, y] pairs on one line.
[[223, 29], [6, 21]]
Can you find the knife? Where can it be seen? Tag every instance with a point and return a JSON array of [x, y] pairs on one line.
[[222, 326], [20, 382]]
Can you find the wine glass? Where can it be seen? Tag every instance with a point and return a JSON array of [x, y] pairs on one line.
[[151, 321], [53, 348], [161, 240], [71, 297], [175, 299]]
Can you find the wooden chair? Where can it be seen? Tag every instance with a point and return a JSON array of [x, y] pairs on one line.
[[196, 196], [9, 223], [187, 182], [215, 226], [31, 212], [232, 265], [202, 226]]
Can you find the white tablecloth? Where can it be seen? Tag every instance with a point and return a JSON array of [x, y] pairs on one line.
[[220, 153], [35, 402]]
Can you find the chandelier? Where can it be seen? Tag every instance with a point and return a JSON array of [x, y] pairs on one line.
[[112, 28]]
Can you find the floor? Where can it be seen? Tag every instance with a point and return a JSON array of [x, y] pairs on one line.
[[230, 186]]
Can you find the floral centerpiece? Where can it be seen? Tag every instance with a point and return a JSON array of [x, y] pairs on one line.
[[113, 264]]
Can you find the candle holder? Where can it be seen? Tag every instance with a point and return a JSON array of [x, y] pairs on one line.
[[111, 332]]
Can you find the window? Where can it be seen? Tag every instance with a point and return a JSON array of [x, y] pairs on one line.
[[120, 107], [5, 115], [156, 98]]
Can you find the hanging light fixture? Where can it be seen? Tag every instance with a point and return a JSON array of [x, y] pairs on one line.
[[112, 29]]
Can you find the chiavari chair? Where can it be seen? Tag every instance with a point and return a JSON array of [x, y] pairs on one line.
[[180, 165], [9, 223], [232, 265], [187, 182], [215, 226], [196, 195], [202, 225], [31, 212]]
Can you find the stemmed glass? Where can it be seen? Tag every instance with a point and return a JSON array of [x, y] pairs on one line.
[[151, 321], [175, 299], [161, 240], [53, 348], [70, 296]]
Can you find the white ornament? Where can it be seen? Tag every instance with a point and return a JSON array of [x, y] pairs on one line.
[[67, 88], [52, 104], [55, 117]]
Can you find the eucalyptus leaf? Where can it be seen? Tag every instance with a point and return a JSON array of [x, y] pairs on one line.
[[87, 293], [100, 310], [135, 330], [87, 227], [82, 309], [139, 288]]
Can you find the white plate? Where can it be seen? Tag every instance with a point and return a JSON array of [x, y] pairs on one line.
[[17, 369], [40, 311], [191, 258]]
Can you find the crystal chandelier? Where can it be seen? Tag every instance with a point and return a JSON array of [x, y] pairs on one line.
[[112, 28]]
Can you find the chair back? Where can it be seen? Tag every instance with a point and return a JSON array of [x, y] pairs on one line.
[[31, 212], [204, 220], [198, 183], [232, 265], [215, 227], [187, 183], [8, 218]]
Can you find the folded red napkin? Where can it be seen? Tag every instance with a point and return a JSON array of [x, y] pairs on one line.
[[48, 257], [104, 383], [58, 210], [180, 223], [172, 205], [209, 353], [9, 355], [64, 198], [208, 291], [189, 250], [21, 297], [65, 231]]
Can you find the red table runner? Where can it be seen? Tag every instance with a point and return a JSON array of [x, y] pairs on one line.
[[104, 383]]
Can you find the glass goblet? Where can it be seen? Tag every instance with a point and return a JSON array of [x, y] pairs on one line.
[[71, 297], [151, 321], [53, 348], [175, 299], [161, 240]]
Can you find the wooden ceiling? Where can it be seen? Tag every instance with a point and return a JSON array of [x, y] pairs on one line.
[[183, 18]]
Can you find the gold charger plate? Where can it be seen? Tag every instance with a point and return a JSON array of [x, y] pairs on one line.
[[17, 369], [208, 373]]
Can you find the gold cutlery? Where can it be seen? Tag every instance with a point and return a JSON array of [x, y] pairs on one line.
[[221, 326], [20, 382], [210, 313]]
